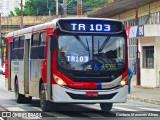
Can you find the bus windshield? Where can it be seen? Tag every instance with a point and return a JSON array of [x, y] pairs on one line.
[[91, 52]]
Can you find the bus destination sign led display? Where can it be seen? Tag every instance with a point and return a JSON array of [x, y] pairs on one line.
[[90, 25]]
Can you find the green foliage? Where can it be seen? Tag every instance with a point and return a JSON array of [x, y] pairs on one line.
[[40, 7], [91, 6], [11, 14], [17, 11]]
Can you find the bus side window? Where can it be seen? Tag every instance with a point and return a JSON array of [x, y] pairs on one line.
[[15, 48], [34, 46], [43, 38], [42, 47], [21, 41], [38, 46], [35, 39], [15, 43]]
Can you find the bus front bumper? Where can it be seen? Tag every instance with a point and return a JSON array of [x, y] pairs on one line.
[[68, 95]]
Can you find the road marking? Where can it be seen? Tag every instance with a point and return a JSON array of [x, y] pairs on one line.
[[58, 115], [151, 109], [37, 108], [14, 109], [122, 108]]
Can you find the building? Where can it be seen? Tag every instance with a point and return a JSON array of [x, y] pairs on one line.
[[5, 7], [0, 6], [15, 4], [142, 22], [9, 5]]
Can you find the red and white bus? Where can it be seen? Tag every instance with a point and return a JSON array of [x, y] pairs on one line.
[[69, 60]]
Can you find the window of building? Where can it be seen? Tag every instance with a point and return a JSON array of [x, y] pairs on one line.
[[158, 17], [147, 17], [154, 18], [148, 57]]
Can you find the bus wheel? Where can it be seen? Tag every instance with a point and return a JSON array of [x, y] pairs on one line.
[[106, 106], [19, 97], [28, 100], [43, 102]]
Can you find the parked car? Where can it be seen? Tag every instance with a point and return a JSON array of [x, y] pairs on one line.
[[2, 69]]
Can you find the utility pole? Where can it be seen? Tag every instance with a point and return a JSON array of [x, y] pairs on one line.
[[64, 8], [79, 7], [21, 14], [57, 8], [0, 27], [48, 9], [1, 39], [137, 53]]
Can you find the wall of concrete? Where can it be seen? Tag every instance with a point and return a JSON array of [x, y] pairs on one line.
[[142, 11], [157, 60], [148, 75]]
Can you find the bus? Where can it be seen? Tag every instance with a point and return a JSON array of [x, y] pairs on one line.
[[69, 60]]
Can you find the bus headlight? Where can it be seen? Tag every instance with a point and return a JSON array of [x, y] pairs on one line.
[[123, 83], [59, 81]]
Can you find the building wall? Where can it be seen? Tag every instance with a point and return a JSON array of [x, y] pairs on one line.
[[157, 61], [142, 11], [14, 4], [9, 5], [148, 14], [0, 6], [148, 75], [5, 7]]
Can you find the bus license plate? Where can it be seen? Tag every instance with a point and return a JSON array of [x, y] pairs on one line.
[[91, 94]]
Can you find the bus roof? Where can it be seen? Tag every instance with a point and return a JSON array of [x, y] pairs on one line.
[[46, 25]]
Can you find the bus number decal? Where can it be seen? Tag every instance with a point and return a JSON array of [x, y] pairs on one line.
[[77, 58]]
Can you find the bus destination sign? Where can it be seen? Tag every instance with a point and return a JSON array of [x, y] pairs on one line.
[[90, 25]]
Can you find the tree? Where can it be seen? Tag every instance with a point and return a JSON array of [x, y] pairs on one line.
[[17, 11], [40, 7], [11, 14]]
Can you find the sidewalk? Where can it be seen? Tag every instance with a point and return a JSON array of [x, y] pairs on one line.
[[141, 94], [2, 108]]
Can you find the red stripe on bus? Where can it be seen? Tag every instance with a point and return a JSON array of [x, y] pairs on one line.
[[79, 85]]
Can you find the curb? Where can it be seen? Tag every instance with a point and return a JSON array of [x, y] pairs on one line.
[[2, 108], [130, 97]]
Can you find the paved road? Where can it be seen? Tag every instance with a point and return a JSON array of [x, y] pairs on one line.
[[78, 112]]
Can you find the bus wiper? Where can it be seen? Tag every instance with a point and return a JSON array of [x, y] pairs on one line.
[[88, 48], [98, 47], [81, 42], [104, 43]]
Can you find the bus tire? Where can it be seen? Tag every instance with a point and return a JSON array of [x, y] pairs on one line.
[[19, 97], [44, 104], [28, 100], [106, 106]]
